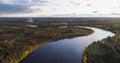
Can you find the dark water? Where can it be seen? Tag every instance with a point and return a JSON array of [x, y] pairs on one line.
[[66, 50]]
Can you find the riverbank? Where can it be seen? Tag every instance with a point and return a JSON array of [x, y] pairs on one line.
[[106, 50], [16, 49], [77, 32]]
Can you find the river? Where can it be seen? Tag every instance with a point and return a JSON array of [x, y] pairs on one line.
[[68, 50]]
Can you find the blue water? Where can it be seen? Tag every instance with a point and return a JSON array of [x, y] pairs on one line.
[[68, 50]]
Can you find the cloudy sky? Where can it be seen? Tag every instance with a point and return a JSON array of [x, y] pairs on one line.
[[48, 8]]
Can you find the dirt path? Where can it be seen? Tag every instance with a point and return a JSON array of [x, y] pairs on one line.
[[16, 38]]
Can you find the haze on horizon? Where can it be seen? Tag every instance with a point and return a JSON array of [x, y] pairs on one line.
[[59, 8]]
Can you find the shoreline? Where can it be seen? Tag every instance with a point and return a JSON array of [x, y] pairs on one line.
[[46, 42], [87, 55]]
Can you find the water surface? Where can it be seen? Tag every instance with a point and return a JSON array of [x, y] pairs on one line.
[[68, 50]]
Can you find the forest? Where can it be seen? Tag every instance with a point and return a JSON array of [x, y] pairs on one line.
[[107, 50], [18, 40]]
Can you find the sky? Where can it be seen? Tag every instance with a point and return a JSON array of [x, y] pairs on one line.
[[59, 8]]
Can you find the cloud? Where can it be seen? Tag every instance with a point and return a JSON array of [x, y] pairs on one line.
[[88, 4], [75, 3], [43, 1], [5, 1], [10, 8], [53, 7], [115, 13], [21, 6], [95, 11], [22, 1]]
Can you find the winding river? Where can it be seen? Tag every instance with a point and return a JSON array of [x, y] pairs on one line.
[[68, 50]]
